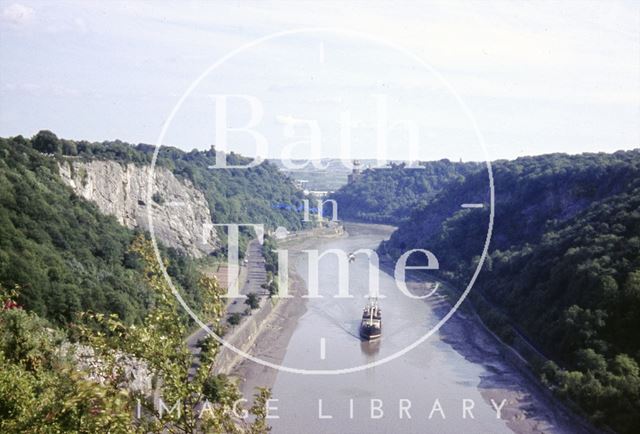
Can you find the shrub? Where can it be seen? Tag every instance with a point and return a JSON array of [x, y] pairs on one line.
[[234, 318], [253, 300]]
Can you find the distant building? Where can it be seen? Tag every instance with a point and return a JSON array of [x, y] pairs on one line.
[[355, 173], [300, 183], [320, 193]]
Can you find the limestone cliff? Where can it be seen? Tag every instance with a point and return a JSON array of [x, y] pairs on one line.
[[180, 212]]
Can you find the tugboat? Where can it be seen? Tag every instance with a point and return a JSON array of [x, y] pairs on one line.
[[371, 325]]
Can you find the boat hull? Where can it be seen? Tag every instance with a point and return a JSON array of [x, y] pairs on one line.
[[369, 332]]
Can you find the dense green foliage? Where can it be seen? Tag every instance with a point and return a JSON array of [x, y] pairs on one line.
[[269, 247], [577, 294], [253, 300], [44, 388], [532, 194], [68, 257], [40, 389], [580, 283], [390, 194], [62, 251], [234, 318], [269, 251], [563, 268]]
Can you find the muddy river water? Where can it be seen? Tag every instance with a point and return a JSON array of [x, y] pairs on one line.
[[438, 386]]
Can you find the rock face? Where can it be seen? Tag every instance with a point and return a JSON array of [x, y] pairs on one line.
[[180, 213]]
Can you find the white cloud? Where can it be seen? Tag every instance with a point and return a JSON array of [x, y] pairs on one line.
[[568, 66], [39, 90], [18, 14], [81, 25], [286, 119]]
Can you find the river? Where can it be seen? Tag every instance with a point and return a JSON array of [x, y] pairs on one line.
[[425, 390]]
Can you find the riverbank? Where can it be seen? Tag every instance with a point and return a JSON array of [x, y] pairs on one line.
[[271, 342], [530, 408]]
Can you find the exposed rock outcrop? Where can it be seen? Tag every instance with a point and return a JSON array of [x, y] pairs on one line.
[[181, 216]]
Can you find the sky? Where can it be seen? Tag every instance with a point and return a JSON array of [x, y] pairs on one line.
[[403, 80]]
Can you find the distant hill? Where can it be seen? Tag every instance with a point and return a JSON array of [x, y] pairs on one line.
[[391, 194], [531, 193], [333, 173]]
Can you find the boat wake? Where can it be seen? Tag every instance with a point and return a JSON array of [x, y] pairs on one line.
[[349, 327]]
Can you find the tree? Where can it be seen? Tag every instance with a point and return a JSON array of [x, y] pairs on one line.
[[632, 287], [69, 148], [47, 142], [591, 361], [253, 300], [272, 287]]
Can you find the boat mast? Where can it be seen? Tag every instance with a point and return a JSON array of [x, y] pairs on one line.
[[373, 308]]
